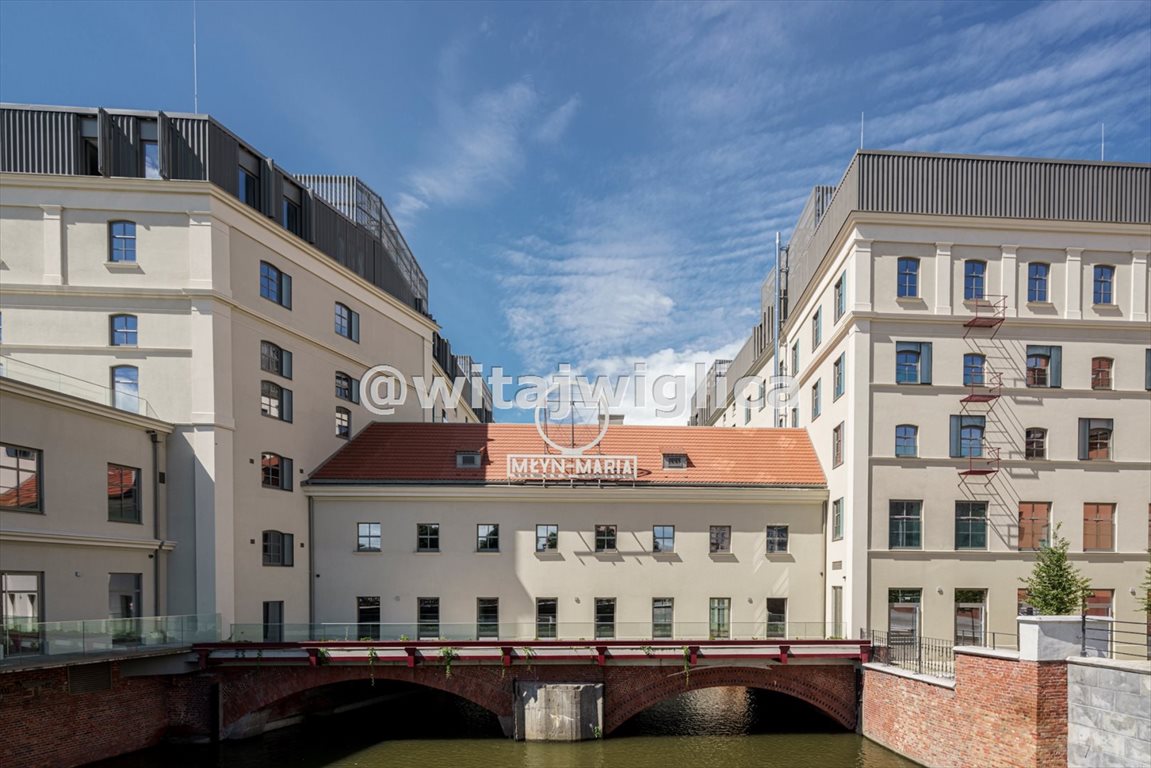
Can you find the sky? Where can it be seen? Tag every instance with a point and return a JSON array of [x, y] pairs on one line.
[[601, 183]]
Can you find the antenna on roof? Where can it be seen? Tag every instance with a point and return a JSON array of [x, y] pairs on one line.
[[1102, 140], [195, 66], [861, 130]]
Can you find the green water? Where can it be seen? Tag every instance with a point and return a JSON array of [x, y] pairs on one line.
[[720, 727]]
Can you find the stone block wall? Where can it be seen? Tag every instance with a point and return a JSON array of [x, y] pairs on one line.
[[1109, 713]]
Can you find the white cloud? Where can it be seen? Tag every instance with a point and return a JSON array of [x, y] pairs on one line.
[[555, 124]]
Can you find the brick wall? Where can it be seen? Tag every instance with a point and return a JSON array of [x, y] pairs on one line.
[[1000, 713]]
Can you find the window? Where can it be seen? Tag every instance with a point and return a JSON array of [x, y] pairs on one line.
[[776, 539], [795, 359], [275, 471], [428, 537], [973, 366], [367, 537], [605, 538], [794, 417], [719, 539], [662, 621], [123, 494], [274, 621], [1035, 443], [126, 388], [1044, 366], [719, 618], [1034, 518], [124, 595], [123, 330], [275, 285], [343, 422], [1037, 274], [1098, 527], [777, 617], [275, 401], [838, 376], [908, 282], [817, 328], [1101, 372], [150, 149], [347, 387], [663, 538], [275, 359], [428, 618], [903, 613], [347, 322], [971, 525], [292, 219], [904, 523], [547, 538], [278, 548], [487, 618], [1095, 439], [747, 410], [837, 445], [970, 606], [547, 611], [761, 394], [906, 440], [973, 278], [368, 617], [840, 296], [122, 242], [1099, 602], [248, 179], [1104, 285], [605, 618], [487, 537], [967, 436], [21, 480], [21, 608], [675, 460], [468, 459], [837, 520], [912, 362], [816, 406]]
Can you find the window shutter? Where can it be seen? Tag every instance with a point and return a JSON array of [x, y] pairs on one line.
[[289, 549], [1147, 373], [270, 203], [286, 290], [1084, 429], [1055, 375], [287, 477], [308, 214], [956, 427], [355, 389], [286, 363], [925, 363], [164, 146], [355, 327], [103, 143], [286, 404]]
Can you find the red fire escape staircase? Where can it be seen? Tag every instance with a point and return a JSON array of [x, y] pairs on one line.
[[983, 394], [990, 312]]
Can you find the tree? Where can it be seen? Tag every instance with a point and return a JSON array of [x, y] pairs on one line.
[[1146, 585], [1055, 586]]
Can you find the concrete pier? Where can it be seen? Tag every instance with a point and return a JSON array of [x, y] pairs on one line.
[[558, 711]]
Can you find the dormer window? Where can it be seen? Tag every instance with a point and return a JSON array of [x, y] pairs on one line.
[[467, 459], [675, 461]]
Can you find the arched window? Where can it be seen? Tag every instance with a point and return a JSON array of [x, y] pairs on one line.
[[343, 422], [271, 399], [126, 388], [908, 280], [123, 330], [347, 388], [278, 548], [907, 440], [275, 471], [1104, 292], [275, 359], [973, 370], [974, 274], [1037, 274], [122, 242], [907, 366], [1035, 443], [1101, 372]]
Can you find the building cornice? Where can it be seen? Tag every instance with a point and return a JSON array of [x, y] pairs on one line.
[[88, 407], [28, 536], [1033, 465], [567, 494]]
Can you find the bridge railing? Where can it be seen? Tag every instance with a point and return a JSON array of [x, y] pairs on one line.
[[583, 631], [21, 638]]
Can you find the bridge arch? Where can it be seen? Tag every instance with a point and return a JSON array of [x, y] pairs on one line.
[[830, 689]]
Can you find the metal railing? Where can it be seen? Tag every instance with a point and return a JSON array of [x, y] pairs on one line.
[[18, 370], [23, 638], [581, 631], [997, 641], [1112, 639], [907, 650]]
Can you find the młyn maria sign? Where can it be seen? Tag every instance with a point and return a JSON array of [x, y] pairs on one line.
[[570, 462]]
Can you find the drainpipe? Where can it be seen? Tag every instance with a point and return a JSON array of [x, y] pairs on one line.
[[155, 438], [311, 561], [775, 334]]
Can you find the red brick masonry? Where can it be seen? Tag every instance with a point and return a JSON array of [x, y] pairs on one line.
[[1001, 713]]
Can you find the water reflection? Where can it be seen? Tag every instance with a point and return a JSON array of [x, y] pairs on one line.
[[717, 727]]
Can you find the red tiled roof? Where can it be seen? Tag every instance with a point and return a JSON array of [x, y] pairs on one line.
[[398, 452]]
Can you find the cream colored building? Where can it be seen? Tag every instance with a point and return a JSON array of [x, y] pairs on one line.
[[83, 524], [164, 258], [971, 354], [717, 535]]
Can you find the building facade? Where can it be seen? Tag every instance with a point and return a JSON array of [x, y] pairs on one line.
[[165, 259], [424, 530], [83, 523], [970, 350]]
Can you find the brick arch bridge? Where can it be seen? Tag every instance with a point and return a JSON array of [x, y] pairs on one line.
[[247, 693]]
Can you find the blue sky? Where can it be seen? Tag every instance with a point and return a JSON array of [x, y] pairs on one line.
[[601, 183]]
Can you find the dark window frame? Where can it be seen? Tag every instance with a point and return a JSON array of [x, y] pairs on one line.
[[124, 333], [132, 512], [778, 537], [369, 537], [905, 524], [907, 278], [606, 538], [427, 537], [121, 242], [11, 462]]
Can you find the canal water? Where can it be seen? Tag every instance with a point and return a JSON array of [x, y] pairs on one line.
[[717, 727]]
